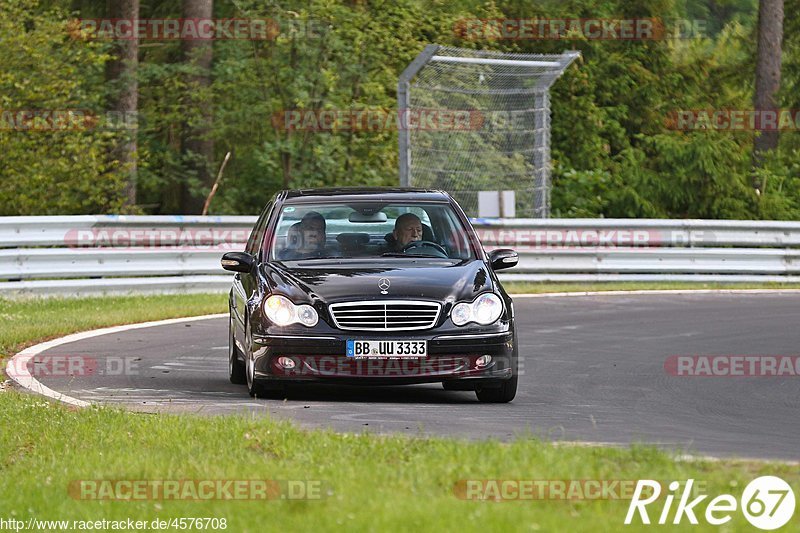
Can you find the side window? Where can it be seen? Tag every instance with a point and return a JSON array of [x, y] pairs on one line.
[[448, 230], [250, 240], [258, 231]]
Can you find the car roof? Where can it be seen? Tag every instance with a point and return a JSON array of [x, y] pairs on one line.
[[381, 194]]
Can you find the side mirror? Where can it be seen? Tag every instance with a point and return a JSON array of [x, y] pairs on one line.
[[503, 258], [238, 262]]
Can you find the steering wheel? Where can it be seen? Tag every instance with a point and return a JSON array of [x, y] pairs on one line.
[[425, 244]]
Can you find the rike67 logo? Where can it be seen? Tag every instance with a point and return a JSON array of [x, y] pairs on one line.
[[767, 503]]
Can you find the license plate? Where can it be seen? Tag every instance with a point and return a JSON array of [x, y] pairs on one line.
[[386, 349]]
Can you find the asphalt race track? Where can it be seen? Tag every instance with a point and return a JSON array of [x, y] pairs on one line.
[[593, 371]]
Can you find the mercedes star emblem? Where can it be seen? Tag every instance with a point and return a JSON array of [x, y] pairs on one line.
[[383, 285]]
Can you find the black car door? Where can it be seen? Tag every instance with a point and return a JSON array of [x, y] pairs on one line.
[[244, 284]]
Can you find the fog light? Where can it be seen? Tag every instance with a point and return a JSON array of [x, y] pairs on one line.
[[483, 361], [286, 362]]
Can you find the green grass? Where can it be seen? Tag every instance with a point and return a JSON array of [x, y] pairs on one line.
[[370, 483]]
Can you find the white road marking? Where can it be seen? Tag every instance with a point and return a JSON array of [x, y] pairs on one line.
[[17, 367], [24, 379]]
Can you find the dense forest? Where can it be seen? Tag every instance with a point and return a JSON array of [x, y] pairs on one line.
[[615, 149]]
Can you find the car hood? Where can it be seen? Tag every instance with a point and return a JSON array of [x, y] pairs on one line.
[[429, 281]]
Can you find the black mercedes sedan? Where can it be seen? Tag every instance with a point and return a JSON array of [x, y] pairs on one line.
[[370, 286]]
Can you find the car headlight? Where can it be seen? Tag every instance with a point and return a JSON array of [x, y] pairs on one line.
[[484, 310], [461, 314], [282, 312]]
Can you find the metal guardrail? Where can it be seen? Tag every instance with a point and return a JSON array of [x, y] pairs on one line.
[[112, 230], [97, 254], [644, 232]]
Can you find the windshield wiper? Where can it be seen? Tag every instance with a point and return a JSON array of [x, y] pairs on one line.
[[412, 256], [299, 259]]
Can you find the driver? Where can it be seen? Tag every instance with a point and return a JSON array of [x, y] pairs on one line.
[[407, 229]]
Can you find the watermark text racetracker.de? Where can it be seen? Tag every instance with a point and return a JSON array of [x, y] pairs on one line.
[[502, 490], [193, 29], [196, 489], [734, 120], [695, 365], [309, 366], [603, 29], [184, 238], [73, 366], [197, 29], [377, 120], [588, 238], [524, 239], [67, 120]]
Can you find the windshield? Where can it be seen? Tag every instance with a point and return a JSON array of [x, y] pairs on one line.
[[366, 230]]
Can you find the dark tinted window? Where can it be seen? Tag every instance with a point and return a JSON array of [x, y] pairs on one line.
[[257, 235], [369, 230]]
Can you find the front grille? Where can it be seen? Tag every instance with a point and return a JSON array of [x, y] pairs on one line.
[[385, 315]]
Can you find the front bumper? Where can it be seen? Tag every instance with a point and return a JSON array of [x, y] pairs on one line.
[[451, 358]]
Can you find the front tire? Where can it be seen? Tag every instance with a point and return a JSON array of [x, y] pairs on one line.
[[508, 389], [236, 368], [502, 394], [255, 388]]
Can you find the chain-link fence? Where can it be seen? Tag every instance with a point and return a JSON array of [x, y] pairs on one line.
[[491, 126]]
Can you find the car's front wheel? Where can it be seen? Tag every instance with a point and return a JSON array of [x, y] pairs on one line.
[[502, 394], [236, 368], [256, 388], [508, 388]]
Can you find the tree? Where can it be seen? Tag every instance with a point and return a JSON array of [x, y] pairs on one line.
[[197, 144], [768, 73], [47, 67], [121, 74]]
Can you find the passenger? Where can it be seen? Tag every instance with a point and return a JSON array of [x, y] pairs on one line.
[[314, 237], [306, 239]]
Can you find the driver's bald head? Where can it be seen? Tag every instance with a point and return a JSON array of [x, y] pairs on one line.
[[407, 228]]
